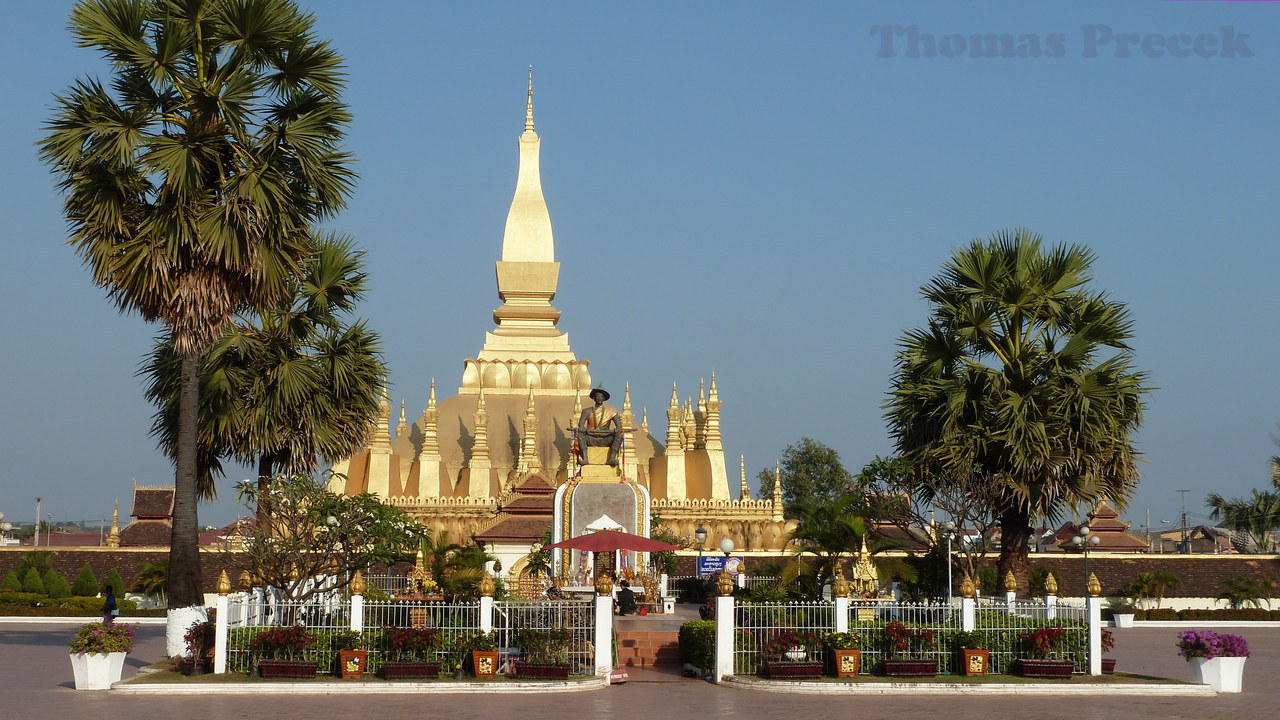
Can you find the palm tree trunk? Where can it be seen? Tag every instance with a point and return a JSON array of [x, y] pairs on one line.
[[184, 546], [1015, 534]]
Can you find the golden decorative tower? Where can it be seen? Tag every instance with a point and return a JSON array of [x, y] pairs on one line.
[[480, 465], [113, 537]]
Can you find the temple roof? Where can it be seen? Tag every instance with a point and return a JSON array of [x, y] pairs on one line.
[[152, 502]]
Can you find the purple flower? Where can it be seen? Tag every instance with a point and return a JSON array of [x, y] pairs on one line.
[[1209, 644]]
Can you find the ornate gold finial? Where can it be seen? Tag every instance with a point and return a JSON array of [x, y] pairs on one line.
[[245, 580], [1093, 587], [724, 584], [528, 108], [357, 585], [840, 586], [744, 490], [486, 585], [967, 588], [1051, 585], [113, 537], [224, 584], [1010, 583], [604, 584], [431, 398]]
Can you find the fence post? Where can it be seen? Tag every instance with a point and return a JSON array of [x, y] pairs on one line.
[[841, 611], [1093, 604], [357, 602], [1050, 607], [220, 626], [486, 613], [968, 604], [664, 582], [724, 628], [604, 633]]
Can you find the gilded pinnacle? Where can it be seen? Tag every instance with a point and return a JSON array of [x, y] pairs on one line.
[[528, 108]]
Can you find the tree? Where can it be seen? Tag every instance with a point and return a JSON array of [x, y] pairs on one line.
[[192, 182], [825, 532], [1152, 585], [1241, 592], [86, 583], [1255, 516], [113, 583], [32, 583], [11, 582], [1021, 383], [153, 579], [810, 472], [287, 385], [319, 534]]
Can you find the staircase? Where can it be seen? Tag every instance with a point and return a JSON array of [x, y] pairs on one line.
[[645, 648]]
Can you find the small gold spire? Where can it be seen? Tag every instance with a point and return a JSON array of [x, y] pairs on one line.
[[224, 584], [113, 537], [675, 399], [245, 581], [604, 584], [840, 586], [967, 588], [357, 584], [714, 395], [528, 108], [1094, 588], [724, 583], [431, 399], [702, 394], [626, 399], [1051, 585], [1010, 583], [644, 419], [486, 585], [744, 491]]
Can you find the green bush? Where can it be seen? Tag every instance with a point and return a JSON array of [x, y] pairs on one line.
[[32, 583], [57, 587], [11, 582], [698, 643], [86, 583], [38, 559], [114, 581]]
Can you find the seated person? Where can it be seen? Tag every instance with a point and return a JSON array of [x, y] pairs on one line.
[[626, 599]]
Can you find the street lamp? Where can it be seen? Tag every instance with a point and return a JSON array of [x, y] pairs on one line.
[[950, 527], [1083, 540], [36, 544], [726, 547], [701, 535]]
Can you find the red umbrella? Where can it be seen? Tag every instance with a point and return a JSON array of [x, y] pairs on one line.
[[602, 540]]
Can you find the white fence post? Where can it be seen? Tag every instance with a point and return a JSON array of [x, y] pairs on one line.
[[968, 614], [357, 613], [1093, 604], [486, 613], [841, 611], [663, 585], [220, 626], [1050, 607], [604, 634], [724, 637]]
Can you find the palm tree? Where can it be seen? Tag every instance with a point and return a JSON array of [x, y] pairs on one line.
[[1152, 585], [192, 181], [153, 579], [1021, 383], [826, 531], [288, 385], [1256, 516]]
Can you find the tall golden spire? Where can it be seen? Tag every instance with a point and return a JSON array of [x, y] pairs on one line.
[[744, 490], [528, 108], [113, 537]]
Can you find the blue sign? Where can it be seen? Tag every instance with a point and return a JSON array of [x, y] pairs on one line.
[[712, 564]]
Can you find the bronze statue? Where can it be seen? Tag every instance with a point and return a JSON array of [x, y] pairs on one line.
[[600, 426]]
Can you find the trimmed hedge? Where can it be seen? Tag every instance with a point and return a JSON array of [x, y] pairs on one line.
[[698, 643], [1203, 614]]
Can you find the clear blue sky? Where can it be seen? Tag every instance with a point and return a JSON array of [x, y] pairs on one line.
[[745, 187]]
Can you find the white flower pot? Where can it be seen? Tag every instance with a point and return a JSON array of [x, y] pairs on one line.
[[797, 653], [1224, 674], [1123, 620], [97, 671]]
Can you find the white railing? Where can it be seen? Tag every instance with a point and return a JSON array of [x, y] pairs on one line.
[[575, 616], [758, 624]]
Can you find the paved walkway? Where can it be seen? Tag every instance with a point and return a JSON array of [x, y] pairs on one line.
[[35, 679]]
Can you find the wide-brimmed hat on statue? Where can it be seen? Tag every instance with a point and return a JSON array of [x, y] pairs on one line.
[[599, 389]]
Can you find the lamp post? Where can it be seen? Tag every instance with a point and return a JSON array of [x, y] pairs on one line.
[[726, 547], [37, 540], [1083, 540], [950, 528], [701, 535]]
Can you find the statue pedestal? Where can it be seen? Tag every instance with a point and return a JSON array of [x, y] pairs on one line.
[[598, 473]]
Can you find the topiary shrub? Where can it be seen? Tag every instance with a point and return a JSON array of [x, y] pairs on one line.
[[114, 581], [11, 582], [57, 587], [698, 643], [86, 583], [32, 583]]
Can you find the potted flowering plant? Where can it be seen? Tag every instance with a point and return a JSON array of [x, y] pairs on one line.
[[410, 652], [200, 639], [1044, 648], [786, 654], [282, 652], [97, 654], [1108, 644], [975, 657], [543, 653], [904, 648], [482, 648], [846, 652], [1217, 659], [349, 651]]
